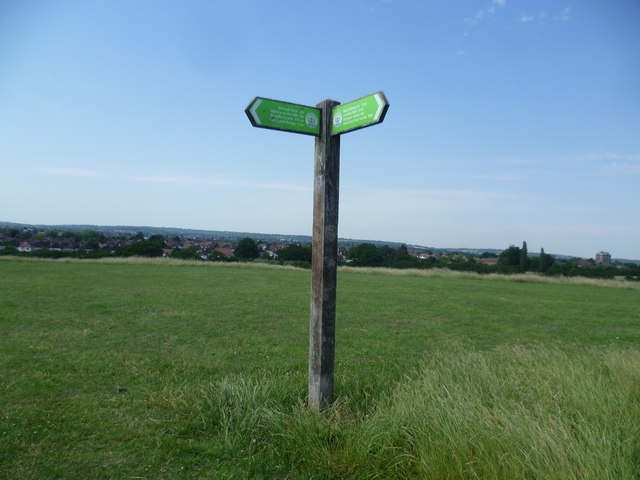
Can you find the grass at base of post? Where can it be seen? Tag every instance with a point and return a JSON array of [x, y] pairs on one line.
[[510, 413]]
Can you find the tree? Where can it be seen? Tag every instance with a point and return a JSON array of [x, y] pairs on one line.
[[145, 248], [524, 257], [247, 248], [296, 253], [511, 256], [189, 253], [545, 261], [402, 259], [91, 238], [9, 250], [216, 256], [365, 255], [387, 253]]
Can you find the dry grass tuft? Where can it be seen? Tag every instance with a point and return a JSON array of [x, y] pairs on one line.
[[522, 277], [163, 261], [432, 272]]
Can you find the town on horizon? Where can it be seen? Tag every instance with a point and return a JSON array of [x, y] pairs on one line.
[[34, 236]]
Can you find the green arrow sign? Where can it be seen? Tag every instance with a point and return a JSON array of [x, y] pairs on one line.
[[364, 112], [290, 117]]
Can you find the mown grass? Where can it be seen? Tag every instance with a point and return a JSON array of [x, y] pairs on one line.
[[136, 370]]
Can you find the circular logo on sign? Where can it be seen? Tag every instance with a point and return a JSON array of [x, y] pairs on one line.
[[337, 119], [311, 120]]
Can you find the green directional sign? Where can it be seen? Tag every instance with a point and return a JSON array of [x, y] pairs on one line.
[[364, 112], [290, 117], [326, 122]]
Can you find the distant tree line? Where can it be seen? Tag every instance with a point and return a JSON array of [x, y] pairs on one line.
[[93, 244], [511, 260]]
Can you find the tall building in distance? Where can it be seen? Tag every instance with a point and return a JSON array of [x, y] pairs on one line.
[[603, 258]]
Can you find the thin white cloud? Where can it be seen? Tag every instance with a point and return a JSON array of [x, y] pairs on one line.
[[625, 169], [468, 195], [521, 161], [194, 181], [608, 156], [488, 10], [178, 180], [592, 230], [497, 177], [614, 163], [500, 162], [77, 172], [441, 200], [541, 18], [182, 180]]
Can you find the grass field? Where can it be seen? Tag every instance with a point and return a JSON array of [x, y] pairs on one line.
[[198, 371]]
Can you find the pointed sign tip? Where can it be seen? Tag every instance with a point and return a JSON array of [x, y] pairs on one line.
[[360, 113]]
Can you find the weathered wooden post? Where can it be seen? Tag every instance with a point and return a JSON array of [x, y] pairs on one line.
[[325, 261], [327, 121]]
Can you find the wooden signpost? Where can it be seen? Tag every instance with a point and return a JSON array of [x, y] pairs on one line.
[[327, 121]]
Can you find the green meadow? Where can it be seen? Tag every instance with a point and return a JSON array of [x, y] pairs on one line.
[[177, 370]]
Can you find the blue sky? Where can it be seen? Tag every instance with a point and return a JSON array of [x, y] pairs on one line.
[[509, 120]]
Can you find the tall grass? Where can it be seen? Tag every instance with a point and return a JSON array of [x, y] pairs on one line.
[[518, 277], [163, 261], [511, 413], [410, 272]]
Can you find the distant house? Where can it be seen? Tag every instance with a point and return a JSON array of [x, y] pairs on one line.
[[603, 258], [26, 247], [488, 261], [227, 252]]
